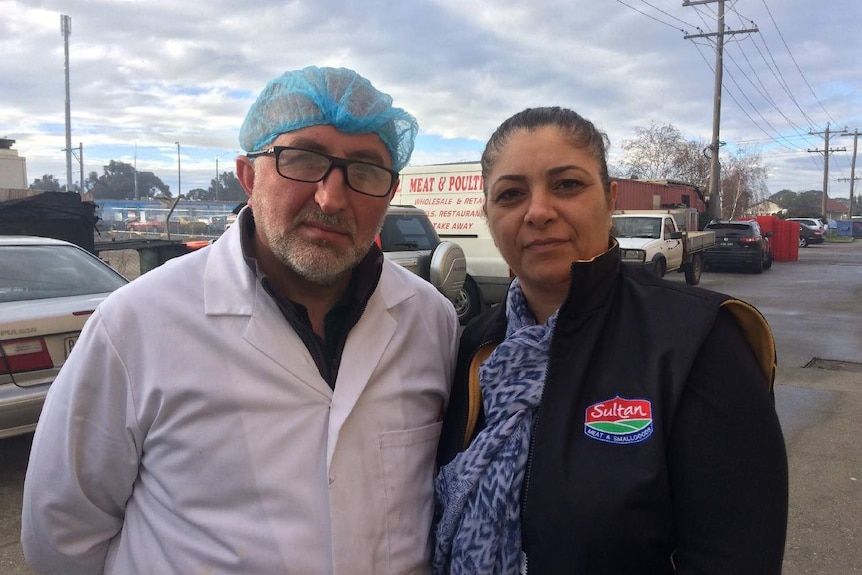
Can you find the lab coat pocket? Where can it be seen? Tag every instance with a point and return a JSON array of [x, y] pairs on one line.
[[408, 480]]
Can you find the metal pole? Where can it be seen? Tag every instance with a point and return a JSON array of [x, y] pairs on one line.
[[216, 181], [825, 171], [853, 169], [715, 165], [179, 172], [136, 171], [81, 161], [66, 29]]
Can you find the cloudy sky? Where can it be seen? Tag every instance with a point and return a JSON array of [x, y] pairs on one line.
[[146, 74]]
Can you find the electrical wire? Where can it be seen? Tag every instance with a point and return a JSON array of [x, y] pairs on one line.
[[780, 35], [653, 17]]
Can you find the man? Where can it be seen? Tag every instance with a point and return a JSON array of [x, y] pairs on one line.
[[270, 403]]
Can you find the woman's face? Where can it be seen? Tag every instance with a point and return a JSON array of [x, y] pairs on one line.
[[546, 207]]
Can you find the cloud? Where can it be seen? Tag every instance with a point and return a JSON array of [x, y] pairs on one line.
[[144, 75]]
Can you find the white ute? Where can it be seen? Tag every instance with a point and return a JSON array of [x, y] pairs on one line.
[[657, 238]]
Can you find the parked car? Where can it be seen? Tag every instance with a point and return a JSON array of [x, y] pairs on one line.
[[739, 243], [157, 226], [48, 289], [409, 239], [809, 235], [813, 223]]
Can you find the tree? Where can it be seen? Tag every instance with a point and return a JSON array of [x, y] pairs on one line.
[[799, 205], [784, 198], [691, 166], [743, 183], [47, 183], [226, 188], [197, 194], [118, 182], [809, 203], [661, 153], [650, 155]]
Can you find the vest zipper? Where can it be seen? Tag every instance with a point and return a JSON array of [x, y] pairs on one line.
[[528, 470]]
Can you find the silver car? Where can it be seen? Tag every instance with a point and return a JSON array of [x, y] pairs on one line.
[[408, 239], [48, 289]]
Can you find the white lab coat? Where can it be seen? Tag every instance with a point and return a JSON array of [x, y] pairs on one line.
[[191, 433]]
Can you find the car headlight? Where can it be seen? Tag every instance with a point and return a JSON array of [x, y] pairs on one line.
[[633, 255]]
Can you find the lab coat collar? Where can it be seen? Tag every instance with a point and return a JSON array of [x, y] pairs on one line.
[[232, 288]]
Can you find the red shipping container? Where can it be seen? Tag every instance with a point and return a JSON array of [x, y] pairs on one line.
[[767, 223], [786, 241], [792, 241], [779, 243]]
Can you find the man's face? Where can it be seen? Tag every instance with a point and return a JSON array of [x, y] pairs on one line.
[[321, 230]]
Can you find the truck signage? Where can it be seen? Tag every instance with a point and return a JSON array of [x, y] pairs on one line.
[[453, 202]]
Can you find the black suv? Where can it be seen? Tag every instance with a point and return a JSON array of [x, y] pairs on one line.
[[739, 243]]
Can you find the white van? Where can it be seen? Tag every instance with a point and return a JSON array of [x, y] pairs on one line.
[[452, 196]]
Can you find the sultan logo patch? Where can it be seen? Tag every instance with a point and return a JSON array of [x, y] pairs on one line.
[[619, 420]]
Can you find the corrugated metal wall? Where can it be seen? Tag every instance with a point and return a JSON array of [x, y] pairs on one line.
[[643, 195]]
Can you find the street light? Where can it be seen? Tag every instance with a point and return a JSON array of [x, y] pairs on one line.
[[179, 172]]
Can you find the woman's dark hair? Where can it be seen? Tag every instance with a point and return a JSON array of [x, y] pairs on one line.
[[581, 133]]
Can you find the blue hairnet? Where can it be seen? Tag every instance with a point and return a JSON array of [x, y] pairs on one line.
[[335, 96]]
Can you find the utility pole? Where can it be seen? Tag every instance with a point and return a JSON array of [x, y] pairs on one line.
[[855, 135], [179, 173], [136, 171], [80, 157], [826, 151], [65, 30], [715, 166]]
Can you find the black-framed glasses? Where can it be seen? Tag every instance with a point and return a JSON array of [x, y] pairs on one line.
[[303, 165]]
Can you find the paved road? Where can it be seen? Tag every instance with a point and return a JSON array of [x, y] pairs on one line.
[[814, 306]]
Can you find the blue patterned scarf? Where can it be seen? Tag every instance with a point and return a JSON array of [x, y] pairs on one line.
[[479, 492]]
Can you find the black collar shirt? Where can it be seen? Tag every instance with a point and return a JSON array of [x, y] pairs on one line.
[[338, 322]]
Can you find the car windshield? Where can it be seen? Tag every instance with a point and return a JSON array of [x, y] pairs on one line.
[[31, 272], [404, 233], [637, 227]]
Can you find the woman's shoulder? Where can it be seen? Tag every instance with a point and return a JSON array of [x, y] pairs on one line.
[[640, 280], [489, 325]]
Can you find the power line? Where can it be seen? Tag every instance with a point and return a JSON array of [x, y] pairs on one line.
[[667, 14], [765, 96], [779, 77], [651, 16], [765, 93], [780, 35], [769, 137], [826, 151]]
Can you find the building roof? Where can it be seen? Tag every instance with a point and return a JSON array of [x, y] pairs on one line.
[[836, 207]]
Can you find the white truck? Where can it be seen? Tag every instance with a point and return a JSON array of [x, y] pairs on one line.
[[667, 240]]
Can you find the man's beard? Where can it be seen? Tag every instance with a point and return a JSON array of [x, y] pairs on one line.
[[319, 262]]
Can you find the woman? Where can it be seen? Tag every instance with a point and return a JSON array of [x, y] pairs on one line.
[[628, 423]]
